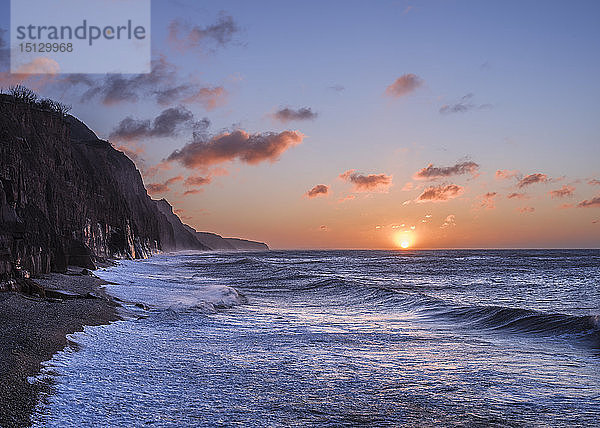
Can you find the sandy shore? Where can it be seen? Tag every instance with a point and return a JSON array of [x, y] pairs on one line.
[[34, 328]]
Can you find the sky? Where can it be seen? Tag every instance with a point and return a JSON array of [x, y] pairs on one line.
[[355, 124]]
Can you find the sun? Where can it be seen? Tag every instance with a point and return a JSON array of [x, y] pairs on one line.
[[403, 240]]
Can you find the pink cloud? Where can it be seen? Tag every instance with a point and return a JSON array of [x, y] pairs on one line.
[[319, 189], [440, 193], [209, 98], [532, 179], [526, 210], [197, 180], [594, 202], [404, 85], [518, 196], [505, 174], [431, 172], [563, 192], [229, 146], [488, 200], [367, 183]]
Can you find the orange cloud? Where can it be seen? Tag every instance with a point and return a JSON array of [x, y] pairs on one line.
[[210, 98], [228, 146], [563, 192], [184, 37], [450, 221], [154, 188], [431, 172], [526, 210], [440, 193], [594, 202], [488, 201], [319, 189], [532, 179], [505, 174], [404, 85], [367, 183], [518, 196], [197, 181]]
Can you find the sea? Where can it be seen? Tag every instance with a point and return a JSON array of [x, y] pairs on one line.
[[506, 338]]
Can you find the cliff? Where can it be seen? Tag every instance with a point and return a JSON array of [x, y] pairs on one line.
[[67, 197], [184, 239], [208, 240]]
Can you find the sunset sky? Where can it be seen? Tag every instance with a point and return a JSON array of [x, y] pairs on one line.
[[355, 124]]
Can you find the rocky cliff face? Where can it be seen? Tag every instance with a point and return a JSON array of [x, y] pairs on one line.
[[191, 239], [67, 197], [184, 239]]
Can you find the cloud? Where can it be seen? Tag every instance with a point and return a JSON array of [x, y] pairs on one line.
[[594, 182], [208, 97], [450, 221], [163, 84], [184, 36], [463, 106], [594, 202], [228, 146], [367, 183], [197, 180], [518, 196], [563, 192], [488, 200], [404, 85], [440, 193], [506, 174], [433, 172], [119, 88], [173, 180], [532, 179], [154, 188], [346, 198], [287, 114], [167, 124], [319, 189], [526, 210], [192, 192], [408, 186]]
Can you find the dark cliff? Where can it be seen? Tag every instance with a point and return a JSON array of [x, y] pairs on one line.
[[67, 197], [189, 238], [184, 239]]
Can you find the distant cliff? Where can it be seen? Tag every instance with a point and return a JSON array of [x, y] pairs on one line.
[[208, 240], [184, 239], [69, 198]]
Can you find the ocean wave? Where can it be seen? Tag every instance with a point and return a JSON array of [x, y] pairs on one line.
[[518, 320], [210, 299]]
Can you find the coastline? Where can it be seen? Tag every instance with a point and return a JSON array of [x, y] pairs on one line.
[[35, 328]]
